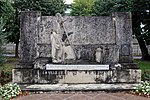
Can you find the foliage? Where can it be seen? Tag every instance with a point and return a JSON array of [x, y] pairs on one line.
[[106, 7], [140, 10], [82, 7], [146, 75], [5, 75], [47, 7], [2, 41], [5, 8], [144, 65], [140, 14], [9, 91], [11, 28], [143, 88]]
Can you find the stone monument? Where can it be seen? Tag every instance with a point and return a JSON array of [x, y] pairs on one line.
[[76, 49]]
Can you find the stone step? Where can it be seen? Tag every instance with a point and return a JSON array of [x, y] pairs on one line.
[[77, 87]]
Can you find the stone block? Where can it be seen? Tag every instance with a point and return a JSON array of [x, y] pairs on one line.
[[79, 75]]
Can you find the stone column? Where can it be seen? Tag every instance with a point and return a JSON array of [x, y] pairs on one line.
[[30, 21], [29, 31], [123, 27]]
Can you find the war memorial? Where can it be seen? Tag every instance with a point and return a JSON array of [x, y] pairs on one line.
[[76, 50]]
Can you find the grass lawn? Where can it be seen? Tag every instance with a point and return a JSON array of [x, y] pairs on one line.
[[6, 70], [144, 65], [10, 63]]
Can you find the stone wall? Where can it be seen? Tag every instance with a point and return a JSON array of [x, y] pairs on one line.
[[110, 33]]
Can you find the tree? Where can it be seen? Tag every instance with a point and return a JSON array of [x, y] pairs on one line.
[[8, 14], [47, 7], [82, 7], [2, 40], [140, 14], [106, 7]]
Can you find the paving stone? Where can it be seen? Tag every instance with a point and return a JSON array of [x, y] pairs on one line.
[[104, 96], [79, 97], [83, 96], [134, 97]]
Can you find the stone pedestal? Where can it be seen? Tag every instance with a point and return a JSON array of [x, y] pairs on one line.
[[85, 74]]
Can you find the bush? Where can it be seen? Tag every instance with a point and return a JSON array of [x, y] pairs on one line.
[[143, 88], [146, 75], [5, 75], [9, 91]]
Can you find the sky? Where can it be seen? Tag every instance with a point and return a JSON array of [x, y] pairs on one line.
[[68, 1]]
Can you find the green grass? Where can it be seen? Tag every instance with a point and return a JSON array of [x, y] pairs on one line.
[[10, 63], [144, 65], [6, 70]]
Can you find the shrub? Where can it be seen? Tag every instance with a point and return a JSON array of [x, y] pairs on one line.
[[9, 91], [146, 75], [143, 88], [5, 75]]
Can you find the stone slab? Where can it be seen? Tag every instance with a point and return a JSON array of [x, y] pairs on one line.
[[76, 76], [76, 87], [76, 67]]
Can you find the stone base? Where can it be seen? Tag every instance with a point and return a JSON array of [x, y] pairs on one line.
[[126, 73], [76, 87]]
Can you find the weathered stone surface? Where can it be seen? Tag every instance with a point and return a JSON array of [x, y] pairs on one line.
[[30, 22], [83, 75], [89, 33], [75, 87], [123, 25], [93, 30], [41, 62], [43, 50], [23, 75], [110, 53]]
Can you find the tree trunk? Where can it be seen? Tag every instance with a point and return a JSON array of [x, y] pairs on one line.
[[144, 50], [142, 44], [17, 49], [18, 36], [137, 31]]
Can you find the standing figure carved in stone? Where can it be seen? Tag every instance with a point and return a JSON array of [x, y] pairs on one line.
[[59, 40], [56, 40], [57, 47]]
